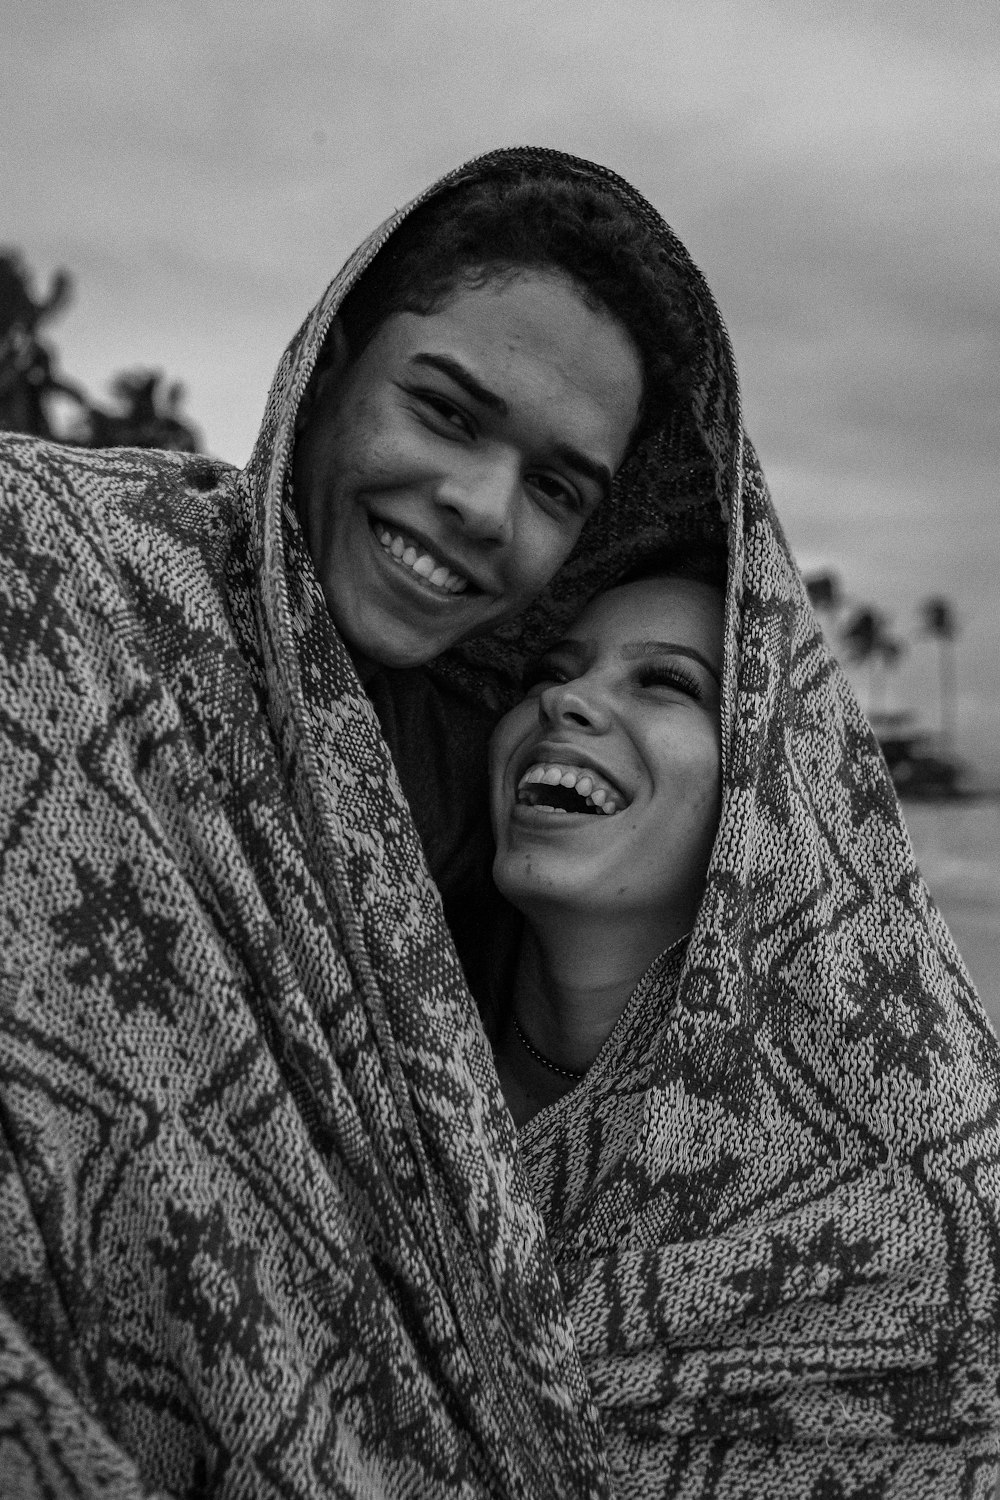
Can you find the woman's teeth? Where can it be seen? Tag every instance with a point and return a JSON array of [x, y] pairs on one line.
[[421, 563], [595, 793]]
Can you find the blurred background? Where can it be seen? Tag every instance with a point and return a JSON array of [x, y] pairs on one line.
[[179, 180]]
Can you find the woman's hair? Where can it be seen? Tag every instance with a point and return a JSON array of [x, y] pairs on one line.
[[702, 562], [481, 232]]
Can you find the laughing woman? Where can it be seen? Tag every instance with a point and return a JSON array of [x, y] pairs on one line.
[[756, 1096], [606, 803]]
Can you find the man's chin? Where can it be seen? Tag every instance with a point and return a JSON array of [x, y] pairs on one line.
[[398, 650]]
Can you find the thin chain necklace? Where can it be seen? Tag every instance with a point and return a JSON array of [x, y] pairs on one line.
[[574, 1073]]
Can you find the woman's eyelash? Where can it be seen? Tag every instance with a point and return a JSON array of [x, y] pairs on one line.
[[671, 677]]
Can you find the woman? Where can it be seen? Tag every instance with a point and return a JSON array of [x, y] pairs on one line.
[[755, 1093], [605, 790]]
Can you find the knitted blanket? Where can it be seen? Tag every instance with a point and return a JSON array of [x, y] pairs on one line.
[[265, 1228]]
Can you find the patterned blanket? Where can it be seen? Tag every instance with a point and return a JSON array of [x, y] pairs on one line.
[[265, 1227]]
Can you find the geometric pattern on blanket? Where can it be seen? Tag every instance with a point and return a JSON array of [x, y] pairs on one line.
[[773, 1199], [265, 1225]]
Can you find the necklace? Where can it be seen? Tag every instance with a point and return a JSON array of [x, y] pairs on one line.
[[575, 1073]]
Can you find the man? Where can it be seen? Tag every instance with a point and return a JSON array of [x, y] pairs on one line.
[[263, 1228], [474, 425]]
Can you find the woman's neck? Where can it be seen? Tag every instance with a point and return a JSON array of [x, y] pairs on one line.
[[570, 989], [573, 981]]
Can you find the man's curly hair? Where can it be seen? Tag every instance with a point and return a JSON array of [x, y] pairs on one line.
[[479, 232]]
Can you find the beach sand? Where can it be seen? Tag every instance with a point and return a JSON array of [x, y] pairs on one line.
[[958, 849]]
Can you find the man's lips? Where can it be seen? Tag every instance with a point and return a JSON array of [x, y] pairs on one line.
[[431, 564]]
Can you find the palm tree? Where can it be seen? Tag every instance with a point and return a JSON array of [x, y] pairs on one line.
[[939, 620], [29, 377], [866, 637], [824, 590], [148, 415]]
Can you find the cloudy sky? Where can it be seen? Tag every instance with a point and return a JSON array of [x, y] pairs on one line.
[[202, 166]]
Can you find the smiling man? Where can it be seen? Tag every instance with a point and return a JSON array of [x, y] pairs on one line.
[[474, 398], [478, 390], [262, 1227], [446, 473]]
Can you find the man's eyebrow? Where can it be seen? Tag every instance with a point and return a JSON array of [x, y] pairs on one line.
[[636, 650], [464, 378]]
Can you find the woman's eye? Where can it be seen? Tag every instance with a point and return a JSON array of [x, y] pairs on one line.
[[675, 679]]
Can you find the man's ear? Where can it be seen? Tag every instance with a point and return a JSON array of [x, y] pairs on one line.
[[332, 363]]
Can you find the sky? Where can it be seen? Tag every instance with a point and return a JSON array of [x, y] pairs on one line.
[[202, 167]]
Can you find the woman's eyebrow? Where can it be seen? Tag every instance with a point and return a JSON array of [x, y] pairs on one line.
[[636, 650]]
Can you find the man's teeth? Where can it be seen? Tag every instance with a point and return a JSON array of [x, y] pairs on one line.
[[587, 785], [422, 563]]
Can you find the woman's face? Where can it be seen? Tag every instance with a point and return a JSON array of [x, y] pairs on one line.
[[605, 779]]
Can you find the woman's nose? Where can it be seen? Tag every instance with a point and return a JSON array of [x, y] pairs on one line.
[[482, 497], [575, 703]]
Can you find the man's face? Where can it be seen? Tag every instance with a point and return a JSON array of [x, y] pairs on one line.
[[447, 471]]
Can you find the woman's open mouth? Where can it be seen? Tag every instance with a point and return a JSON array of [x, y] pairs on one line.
[[568, 789], [421, 564]]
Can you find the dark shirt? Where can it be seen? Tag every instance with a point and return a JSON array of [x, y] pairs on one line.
[[439, 741]]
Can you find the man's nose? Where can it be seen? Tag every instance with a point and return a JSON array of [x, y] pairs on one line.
[[578, 704], [483, 499]]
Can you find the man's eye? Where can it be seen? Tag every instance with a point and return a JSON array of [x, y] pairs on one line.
[[556, 494], [445, 414]]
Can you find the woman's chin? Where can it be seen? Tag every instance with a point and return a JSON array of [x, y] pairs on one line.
[[531, 881]]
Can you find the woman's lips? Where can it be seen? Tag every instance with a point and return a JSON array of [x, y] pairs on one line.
[[560, 787]]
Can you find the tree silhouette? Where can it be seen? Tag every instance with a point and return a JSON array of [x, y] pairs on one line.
[[824, 590], [147, 417], [938, 619], [28, 378], [867, 638], [147, 413]]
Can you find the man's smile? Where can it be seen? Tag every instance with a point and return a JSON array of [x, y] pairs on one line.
[[416, 558]]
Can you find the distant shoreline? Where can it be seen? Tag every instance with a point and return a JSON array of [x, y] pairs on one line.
[[959, 798]]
